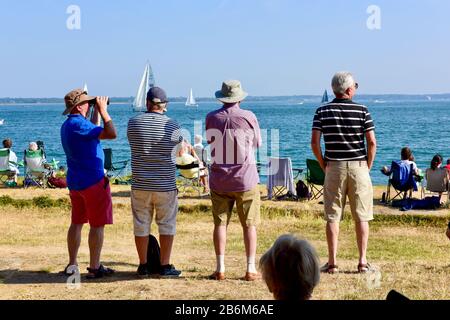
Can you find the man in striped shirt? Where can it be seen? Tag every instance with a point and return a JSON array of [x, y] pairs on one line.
[[345, 126], [153, 138]]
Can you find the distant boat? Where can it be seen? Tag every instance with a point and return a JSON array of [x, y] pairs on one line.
[[325, 97], [190, 102], [429, 98], [2, 121], [147, 82], [380, 101], [85, 88], [301, 103]]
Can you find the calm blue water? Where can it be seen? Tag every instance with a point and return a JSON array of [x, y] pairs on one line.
[[422, 125]]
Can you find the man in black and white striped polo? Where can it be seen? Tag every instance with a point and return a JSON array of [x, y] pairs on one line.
[[350, 147], [153, 138]]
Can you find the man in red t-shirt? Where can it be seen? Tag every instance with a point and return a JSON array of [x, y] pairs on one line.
[[448, 165]]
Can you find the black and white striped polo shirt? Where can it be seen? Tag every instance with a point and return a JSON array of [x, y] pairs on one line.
[[343, 124], [153, 138]]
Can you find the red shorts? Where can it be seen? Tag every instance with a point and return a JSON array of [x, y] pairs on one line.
[[92, 205]]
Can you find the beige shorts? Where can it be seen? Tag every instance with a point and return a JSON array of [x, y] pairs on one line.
[[248, 205], [162, 205], [348, 179]]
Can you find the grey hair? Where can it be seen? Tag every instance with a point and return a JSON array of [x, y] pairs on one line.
[[291, 268], [341, 82]]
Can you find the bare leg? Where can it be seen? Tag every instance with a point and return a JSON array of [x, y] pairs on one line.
[[95, 246], [332, 240], [250, 240], [142, 247], [166, 243], [362, 236], [73, 242], [220, 240]]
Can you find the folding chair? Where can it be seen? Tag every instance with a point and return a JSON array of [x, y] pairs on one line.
[[315, 178], [436, 182], [189, 177], [5, 165], [280, 178], [36, 174], [116, 171], [402, 180]]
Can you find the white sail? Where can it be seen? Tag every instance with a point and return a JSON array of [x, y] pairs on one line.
[[85, 88], [147, 81], [190, 102]]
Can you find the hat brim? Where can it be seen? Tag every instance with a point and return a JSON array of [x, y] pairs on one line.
[[234, 99], [85, 99]]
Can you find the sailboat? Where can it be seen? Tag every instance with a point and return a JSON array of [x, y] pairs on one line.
[[325, 97], [190, 102], [85, 88], [147, 82], [2, 121]]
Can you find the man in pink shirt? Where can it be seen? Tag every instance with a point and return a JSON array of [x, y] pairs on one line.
[[234, 135]]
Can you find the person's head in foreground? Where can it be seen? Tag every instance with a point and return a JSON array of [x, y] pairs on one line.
[[33, 146], [436, 162], [344, 85], [231, 92], [157, 100], [7, 143], [291, 269], [406, 154]]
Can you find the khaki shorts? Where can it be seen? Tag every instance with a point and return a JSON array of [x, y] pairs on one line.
[[352, 179], [145, 204], [247, 205]]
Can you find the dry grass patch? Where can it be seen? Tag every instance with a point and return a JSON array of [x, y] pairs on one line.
[[410, 251]]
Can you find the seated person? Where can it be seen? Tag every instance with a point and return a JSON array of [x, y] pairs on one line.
[[291, 269], [37, 165], [448, 165], [200, 150], [7, 144], [186, 155], [58, 178], [437, 177], [407, 158]]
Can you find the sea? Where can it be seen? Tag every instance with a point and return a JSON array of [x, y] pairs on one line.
[[420, 123]]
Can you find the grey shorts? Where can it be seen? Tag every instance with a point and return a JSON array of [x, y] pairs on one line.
[[161, 205]]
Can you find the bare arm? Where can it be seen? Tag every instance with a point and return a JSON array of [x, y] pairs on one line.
[[316, 148], [371, 148], [109, 131]]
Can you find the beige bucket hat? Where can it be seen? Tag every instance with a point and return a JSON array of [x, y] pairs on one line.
[[74, 98], [231, 92]]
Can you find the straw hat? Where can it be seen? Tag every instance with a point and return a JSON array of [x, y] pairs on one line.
[[231, 92]]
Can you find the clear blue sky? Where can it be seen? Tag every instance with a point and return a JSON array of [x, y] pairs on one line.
[[275, 47]]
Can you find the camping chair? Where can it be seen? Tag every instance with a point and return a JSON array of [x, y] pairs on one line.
[[189, 177], [315, 178], [36, 173], [5, 165], [280, 177], [436, 181], [116, 171], [402, 180]]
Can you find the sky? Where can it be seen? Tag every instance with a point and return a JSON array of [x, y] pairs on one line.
[[275, 47]]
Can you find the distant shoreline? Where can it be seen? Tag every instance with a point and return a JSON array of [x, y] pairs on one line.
[[313, 98]]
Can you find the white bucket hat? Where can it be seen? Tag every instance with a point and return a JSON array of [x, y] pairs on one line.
[[231, 92]]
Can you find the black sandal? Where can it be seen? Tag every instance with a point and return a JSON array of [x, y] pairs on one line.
[[73, 270], [99, 273]]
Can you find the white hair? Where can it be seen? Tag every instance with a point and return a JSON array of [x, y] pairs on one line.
[[33, 146], [341, 82], [198, 139]]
